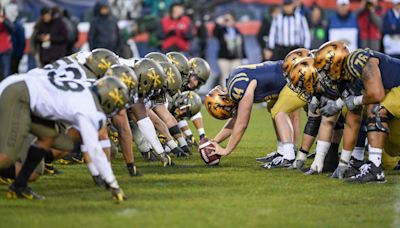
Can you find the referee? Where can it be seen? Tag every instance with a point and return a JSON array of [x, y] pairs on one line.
[[289, 30]]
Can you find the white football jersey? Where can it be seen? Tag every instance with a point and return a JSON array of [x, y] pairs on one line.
[[66, 67], [61, 99]]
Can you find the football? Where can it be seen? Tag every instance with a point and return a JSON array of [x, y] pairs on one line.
[[205, 149]]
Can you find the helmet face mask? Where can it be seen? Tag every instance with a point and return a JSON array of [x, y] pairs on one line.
[[186, 104], [219, 104]]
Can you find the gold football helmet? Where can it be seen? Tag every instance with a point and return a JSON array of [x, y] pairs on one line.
[[292, 58], [126, 75], [180, 61], [330, 58], [219, 105], [100, 60], [112, 94], [303, 77]]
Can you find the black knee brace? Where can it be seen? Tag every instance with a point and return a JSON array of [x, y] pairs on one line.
[[312, 126], [174, 130], [379, 115]]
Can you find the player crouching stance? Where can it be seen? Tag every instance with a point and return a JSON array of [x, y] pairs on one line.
[[246, 85], [55, 99]]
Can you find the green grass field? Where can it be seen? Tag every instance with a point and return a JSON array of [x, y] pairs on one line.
[[236, 194]]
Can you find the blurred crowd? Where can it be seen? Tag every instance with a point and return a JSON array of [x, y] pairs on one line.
[[182, 26]]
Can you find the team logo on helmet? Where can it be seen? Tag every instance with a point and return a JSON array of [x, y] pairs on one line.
[[173, 60], [154, 76], [104, 64], [117, 97], [170, 76], [127, 80]]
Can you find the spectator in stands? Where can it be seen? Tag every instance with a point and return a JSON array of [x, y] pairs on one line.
[[289, 30], [71, 23], [6, 31], [158, 7], [301, 8], [231, 45], [370, 24], [18, 37], [176, 30], [104, 31], [263, 32], [51, 36], [318, 25], [391, 30], [342, 25]]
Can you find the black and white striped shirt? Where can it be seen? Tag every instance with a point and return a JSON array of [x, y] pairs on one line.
[[289, 30]]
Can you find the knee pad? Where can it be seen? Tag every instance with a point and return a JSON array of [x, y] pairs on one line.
[[312, 126], [174, 130], [377, 117]]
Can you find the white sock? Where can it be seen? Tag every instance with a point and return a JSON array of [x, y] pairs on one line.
[[182, 141], [172, 144], [201, 131], [375, 155], [147, 128], [358, 153], [92, 169], [345, 157], [288, 151], [321, 151], [279, 148], [188, 132]]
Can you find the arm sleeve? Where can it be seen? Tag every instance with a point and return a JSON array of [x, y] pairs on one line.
[[90, 138], [147, 128]]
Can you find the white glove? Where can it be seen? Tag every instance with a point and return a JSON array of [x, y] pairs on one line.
[[313, 105]]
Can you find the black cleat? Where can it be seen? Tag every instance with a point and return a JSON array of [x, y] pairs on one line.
[[5, 181], [354, 168], [99, 181], [278, 162], [179, 152], [368, 173], [50, 169], [267, 159], [149, 155], [14, 192], [187, 150], [134, 172], [165, 160]]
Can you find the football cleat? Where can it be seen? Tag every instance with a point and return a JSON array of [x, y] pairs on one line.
[[14, 192], [369, 172], [149, 155], [118, 195], [5, 181], [278, 162], [165, 159], [340, 171], [187, 150], [99, 181], [354, 168], [269, 157], [300, 160], [50, 169], [179, 152], [191, 141], [134, 172]]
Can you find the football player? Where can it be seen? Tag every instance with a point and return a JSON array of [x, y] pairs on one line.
[[248, 84], [195, 73], [381, 85], [54, 99]]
